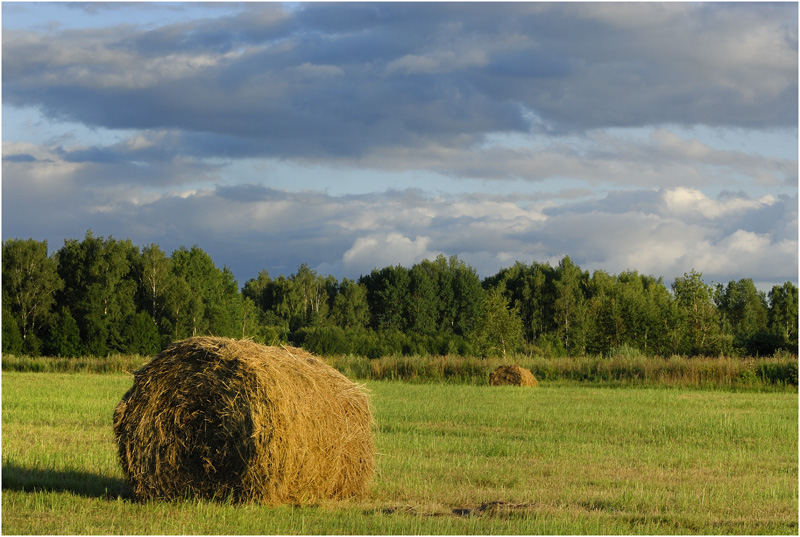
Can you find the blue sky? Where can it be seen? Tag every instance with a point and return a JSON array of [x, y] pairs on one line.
[[651, 137]]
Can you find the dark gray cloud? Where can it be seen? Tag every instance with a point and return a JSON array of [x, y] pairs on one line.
[[348, 79], [21, 157]]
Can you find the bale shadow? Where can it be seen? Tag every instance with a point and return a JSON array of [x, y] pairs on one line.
[[85, 484]]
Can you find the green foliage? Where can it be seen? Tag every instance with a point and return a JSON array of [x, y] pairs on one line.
[[782, 315], [548, 344], [743, 311], [530, 290], [499, 329], [570, 306], [301, 300], [98, 289], [140, 335], [624, 350], [153, 274], [11, 337], [328, 340], [627, 310], [272, 333], [64, 338], [257, 290], [102, 296], [211, 300], [424, 302], [350, 354], [695, 301], [388, 296], [30, 282], [350, 307]]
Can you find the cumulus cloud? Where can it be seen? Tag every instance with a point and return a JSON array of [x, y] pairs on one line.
[[745, 252], [685, 202], [668, 232], [664, 232], [381, 250]]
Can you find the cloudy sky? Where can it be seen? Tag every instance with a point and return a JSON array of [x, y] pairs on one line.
[[651, 137]]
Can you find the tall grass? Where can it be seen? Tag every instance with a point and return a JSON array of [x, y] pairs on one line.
[[697, 372], [619, 369], [117, 363]]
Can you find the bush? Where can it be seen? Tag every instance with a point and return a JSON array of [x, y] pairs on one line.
[[31, 345], [324, 340], [624, 350], [272, 334], [777, 373], [64, 338], [12, 339], [140, 335], [763, 344], [549, 345]]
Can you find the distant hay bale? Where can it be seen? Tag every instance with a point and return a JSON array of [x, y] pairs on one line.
[[512, 375], [220, 418]]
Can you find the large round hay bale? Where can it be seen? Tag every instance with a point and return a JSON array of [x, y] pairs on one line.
[[512, 375], [226, 419]]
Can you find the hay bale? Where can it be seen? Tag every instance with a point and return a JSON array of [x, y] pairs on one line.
[[512, 375], [220, 418]]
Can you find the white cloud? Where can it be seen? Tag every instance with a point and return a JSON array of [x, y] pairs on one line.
[[491, 210], [439, 61], [664, 233], [744, 254], [310, 70], [413, 63], [378, 251], [41, 169], [677, 147], [641, 16], [684, 201]]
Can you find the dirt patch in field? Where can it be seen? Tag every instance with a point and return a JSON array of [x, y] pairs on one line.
[[494, 509], [490, 509]]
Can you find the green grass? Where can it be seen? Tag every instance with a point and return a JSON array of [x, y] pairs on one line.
[[456, 458]]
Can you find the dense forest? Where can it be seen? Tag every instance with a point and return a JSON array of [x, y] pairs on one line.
[[102, 296]]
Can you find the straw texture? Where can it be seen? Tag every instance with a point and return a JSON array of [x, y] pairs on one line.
[[227, 419], [512, 375]]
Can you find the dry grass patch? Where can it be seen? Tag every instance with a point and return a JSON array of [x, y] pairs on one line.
[[512, 375]]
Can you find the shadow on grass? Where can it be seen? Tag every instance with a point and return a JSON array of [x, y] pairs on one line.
[[81, 483]]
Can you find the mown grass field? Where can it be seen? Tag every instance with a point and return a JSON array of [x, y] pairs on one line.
[[462, 459]]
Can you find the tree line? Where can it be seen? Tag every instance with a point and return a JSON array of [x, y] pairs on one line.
[[102, 296]]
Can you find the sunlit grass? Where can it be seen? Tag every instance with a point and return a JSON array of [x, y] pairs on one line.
[[451, 459], [768, 373], [773, 373]]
